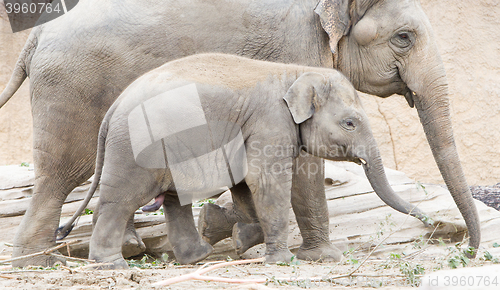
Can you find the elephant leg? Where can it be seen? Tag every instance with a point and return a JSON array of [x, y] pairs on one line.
[[311, 210], [132, 244], [59, 168], [216, 223], [187, 244], [246, 236], [36, 230], [122, 193], [272, 208], [270, 181], [64, 156], [107, 235]]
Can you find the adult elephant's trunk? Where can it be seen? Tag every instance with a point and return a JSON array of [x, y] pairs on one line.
[[374, 169], [429, 92]]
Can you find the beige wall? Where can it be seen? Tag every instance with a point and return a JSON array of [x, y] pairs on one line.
[[15, 117], [468, 36]]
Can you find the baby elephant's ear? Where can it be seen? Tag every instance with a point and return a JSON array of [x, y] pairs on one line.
[[300, 96]]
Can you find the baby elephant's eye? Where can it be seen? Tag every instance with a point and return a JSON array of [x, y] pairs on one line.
[[348, 124]]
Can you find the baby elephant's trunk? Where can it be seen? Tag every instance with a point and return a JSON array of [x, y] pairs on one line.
[[375, 173]]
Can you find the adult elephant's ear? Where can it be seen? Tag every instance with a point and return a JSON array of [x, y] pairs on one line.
[[337, 17], [300, 97]]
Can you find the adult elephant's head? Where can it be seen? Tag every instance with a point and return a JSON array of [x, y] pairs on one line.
[[388, 47]]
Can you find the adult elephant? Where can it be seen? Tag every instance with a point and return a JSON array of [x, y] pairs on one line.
[[79, 63]]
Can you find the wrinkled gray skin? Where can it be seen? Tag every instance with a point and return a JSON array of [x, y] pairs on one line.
[[79, 63], [280, 109]]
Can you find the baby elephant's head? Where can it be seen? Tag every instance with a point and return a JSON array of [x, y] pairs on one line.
[[332, 122], [333, 125]]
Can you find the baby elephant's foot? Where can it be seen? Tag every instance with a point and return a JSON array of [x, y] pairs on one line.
[[246, 236], [279, 256], [324, 252], [190, 254], [215, 223], [132, 244], [110, 263]]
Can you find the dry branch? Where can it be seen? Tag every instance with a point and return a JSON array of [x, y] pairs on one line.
[[72, 258], [197, 275], [92, 266], [45, 252]]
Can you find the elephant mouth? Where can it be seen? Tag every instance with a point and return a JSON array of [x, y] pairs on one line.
[[410, 97], [360, 161]]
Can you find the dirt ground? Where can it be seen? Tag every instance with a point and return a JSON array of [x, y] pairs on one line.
[[375, 273], [387, 266], [136, 278], [383, 268]]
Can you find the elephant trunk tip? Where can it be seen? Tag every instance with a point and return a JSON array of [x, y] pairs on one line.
[[471, 252], [425, 219], [422, 216]]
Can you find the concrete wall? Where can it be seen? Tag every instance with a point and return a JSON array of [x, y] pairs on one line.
[[468, 36]]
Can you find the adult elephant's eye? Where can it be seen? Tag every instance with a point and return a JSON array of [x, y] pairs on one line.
[[403, 39], [348, 124]]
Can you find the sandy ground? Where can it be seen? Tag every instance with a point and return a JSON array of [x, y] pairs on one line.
[[389, 266], [144, 278], [382, 269]]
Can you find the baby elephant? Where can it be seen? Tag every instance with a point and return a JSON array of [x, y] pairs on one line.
[[195, 125]]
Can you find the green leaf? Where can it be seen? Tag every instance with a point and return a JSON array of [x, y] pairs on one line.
[[488, 256], [395, 256], [464, 260], [453, 262], [471, 251], [294, 261]]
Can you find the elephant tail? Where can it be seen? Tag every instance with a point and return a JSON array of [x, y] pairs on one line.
[[64, 230], [21, 69]]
